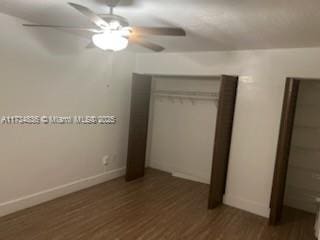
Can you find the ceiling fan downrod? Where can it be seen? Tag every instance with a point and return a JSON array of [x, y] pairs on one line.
[[112, 4]]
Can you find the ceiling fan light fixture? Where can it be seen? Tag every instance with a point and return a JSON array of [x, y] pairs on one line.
[[110, 41], [113, 32], [115, 25]]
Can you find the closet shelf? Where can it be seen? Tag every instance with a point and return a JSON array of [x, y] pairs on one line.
[[306, 169], [187, 94], [306, 148], [307, 127]]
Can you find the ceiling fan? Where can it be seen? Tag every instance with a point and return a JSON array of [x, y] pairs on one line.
[[114, 32]]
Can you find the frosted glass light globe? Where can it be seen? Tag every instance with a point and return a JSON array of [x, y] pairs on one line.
[[110, 41]]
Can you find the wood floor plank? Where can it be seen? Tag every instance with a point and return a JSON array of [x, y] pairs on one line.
[[156, 207]]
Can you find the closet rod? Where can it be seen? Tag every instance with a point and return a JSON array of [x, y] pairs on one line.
[[196, 94], [187, 97]]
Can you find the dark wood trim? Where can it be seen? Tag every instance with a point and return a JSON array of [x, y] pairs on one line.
[[138, 129], [283, 150], [223, 134]]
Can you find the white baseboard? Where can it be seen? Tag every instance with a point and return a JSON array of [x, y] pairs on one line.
[[171, 169], [53, 193], [247, 205], [160, 166], [190, 177]]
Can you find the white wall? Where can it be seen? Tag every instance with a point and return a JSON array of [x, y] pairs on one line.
[[42, 162], [303, 181], [258, 109], [181, 132]]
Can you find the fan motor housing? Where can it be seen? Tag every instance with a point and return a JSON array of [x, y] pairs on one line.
[[111, 17]]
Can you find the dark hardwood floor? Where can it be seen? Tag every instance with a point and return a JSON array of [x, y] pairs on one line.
[[156, 207]]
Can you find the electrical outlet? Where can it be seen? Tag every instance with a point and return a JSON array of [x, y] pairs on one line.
[[105, 160], [246, 79]]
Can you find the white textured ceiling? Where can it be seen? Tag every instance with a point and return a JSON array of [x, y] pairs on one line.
[[210, 24]]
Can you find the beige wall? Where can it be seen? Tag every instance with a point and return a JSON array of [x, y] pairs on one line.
[[258, 109], [42, 162]]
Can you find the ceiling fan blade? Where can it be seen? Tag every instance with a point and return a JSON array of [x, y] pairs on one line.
[[100, 22], [165, 31], [146, 44], [63, 27]]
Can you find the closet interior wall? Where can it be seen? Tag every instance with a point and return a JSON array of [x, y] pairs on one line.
[[303, 177], [182, 126]]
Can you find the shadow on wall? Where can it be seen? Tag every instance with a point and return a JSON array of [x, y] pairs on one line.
[[58, 42]]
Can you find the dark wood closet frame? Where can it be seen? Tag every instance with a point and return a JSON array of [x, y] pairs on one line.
[[138, 131], [283, 149]]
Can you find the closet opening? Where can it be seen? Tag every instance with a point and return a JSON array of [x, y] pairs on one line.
[[182, 125], [296, 183]]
